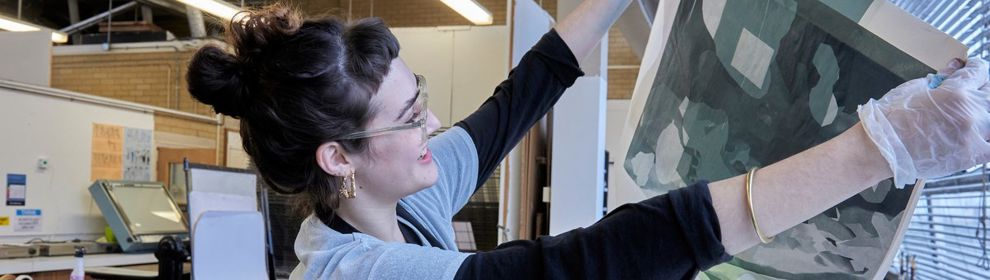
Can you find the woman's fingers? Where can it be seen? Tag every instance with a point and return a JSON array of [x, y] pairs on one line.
[[972, 76], [952, 66]]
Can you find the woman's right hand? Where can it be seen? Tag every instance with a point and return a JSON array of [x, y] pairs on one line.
[[926, 132]]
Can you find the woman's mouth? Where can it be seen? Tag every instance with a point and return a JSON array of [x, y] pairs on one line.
[[426, 156]]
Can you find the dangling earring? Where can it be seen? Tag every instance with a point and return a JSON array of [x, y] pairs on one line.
[[348, 186]]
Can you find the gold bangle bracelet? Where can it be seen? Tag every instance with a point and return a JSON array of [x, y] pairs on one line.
[[752, 213]]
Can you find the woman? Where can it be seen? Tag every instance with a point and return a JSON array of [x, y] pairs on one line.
[[329, 110]]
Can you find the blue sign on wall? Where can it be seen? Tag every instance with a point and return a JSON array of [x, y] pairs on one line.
[[16, 189]]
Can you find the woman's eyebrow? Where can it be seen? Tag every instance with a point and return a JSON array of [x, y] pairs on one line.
[[409, 104]]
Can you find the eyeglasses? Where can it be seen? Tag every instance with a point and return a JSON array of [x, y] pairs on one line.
[[420, 121]]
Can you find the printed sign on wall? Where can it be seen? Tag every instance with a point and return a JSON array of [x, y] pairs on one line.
[[28, 220], [16, 189], [137, 154]]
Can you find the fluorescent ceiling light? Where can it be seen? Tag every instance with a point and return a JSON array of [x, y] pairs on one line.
[[470, 10], [59, 37], [10, 24], [218, 8], [16, 25]]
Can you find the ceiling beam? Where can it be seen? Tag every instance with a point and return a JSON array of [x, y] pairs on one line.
[[79, 26]]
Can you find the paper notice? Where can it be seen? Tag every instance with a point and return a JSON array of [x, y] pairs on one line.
[[108, 149], [137, 154]]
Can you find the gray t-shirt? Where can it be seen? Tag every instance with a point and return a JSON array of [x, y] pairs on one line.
[[327, 254]]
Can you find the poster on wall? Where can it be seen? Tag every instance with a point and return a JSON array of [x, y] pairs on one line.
[[726, 86], [120, 153], [16, 189], [107, 152]]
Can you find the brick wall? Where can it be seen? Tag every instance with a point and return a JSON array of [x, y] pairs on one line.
[[185, 127], [169, 124], [623, 66], [153, 78]]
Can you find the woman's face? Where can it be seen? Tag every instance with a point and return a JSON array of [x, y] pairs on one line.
[[397, 164]]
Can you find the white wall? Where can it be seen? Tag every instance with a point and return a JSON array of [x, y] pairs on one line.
[[577, 168], [26, 57], [481, 62], [462, 65], [615, 119], [578, 142], [60, 130]]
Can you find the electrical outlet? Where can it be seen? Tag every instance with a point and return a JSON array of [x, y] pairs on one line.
[[42, 163]]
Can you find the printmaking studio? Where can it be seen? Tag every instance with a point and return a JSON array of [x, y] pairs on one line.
[[490, 139]]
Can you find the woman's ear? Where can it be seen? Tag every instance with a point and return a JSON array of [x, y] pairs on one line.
[[332, 159]]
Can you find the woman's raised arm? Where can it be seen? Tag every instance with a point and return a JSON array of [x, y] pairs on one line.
[[584, 27]]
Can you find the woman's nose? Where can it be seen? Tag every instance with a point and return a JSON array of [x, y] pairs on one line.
[[432, 122]]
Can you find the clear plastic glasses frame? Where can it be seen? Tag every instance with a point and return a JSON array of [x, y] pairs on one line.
[[420, 122]]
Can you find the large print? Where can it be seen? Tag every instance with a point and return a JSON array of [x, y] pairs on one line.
[[732, 85]]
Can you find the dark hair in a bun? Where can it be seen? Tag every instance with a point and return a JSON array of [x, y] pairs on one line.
[[216, 80], [295, 84]]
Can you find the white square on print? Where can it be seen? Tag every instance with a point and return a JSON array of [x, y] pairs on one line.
[[752, 58]]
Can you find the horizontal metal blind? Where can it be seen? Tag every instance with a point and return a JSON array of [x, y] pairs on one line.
[[947, 236]]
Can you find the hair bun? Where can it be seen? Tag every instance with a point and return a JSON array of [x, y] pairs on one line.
[[259, 31], [216, 78]]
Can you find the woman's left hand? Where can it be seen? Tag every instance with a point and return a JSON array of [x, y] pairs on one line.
[[924, 132]]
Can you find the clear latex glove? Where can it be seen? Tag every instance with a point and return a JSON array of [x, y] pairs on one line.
[[926, 132]]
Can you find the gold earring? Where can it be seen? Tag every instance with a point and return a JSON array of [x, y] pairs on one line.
[[348, 190]]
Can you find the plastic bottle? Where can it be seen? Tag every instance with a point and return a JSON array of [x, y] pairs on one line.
[[78, 273]]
